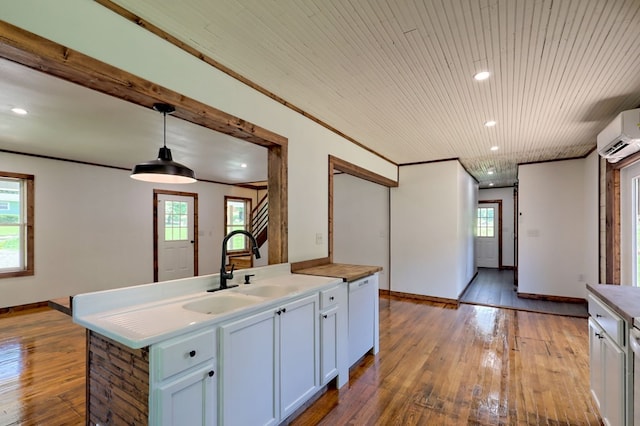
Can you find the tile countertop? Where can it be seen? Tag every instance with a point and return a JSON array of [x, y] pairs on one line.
[[338, 270], [624, 300], [142, 315]]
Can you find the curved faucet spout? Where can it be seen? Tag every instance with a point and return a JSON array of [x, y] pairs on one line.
[[224, 275]]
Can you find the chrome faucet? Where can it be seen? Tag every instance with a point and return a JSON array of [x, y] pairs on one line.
[[224, 275]]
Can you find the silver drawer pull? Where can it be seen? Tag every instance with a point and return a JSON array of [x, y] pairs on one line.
[[363, 283]]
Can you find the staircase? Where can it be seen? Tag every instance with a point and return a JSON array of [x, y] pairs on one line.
[[260, 220]]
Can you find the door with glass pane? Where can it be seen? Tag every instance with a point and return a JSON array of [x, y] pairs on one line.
[[487, 242], [175, 236]]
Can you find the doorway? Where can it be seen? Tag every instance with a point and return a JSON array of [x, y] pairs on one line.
[[488, 235], [175, 245]]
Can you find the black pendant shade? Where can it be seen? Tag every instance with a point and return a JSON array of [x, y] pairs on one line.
[[163, 169]]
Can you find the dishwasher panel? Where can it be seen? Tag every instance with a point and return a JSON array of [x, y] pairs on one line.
[[361, 318]]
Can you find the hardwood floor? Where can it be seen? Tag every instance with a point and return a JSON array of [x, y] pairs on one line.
[[494, 287], [42, 369], [474, 365], [437, 366]]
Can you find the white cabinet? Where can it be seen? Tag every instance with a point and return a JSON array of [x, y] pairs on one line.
[[189, 399], [269, 363], [334, 335], [328, 344], [363, 317], [608, 363], [183, 380]]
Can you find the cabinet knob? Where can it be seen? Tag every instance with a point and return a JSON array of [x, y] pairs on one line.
[[192, 354], [600, 336], [211, 373], [284, 310], [332, 298], [279, 312], [324, 316], [598, 316]]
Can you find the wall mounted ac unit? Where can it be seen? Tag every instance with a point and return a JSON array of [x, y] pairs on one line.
[[621, 137]]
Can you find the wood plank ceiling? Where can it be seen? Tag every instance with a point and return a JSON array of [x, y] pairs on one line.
[[396, 75]]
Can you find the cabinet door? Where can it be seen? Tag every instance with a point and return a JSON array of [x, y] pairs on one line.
[[613, 361], [328, 345], [595, 363], [189, 399], [248, 384], [299, 353]]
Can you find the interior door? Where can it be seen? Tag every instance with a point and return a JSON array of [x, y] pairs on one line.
[[175, 236], [487, 241]]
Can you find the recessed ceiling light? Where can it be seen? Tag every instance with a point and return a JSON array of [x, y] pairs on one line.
[[243, 165], [482, 75], [490, 172], [19, 111], [495, 148], [490, 123], [491, 184]]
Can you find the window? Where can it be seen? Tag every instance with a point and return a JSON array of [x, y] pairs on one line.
[[16, 224], [176, 221], [237, 216], [485, 222]]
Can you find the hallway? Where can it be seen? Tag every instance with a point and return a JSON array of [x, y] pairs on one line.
[[494, 287]]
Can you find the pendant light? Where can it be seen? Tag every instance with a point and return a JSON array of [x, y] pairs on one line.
[[163, 169]]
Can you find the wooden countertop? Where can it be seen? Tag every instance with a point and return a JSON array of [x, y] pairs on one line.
[[322, 267], [624, 300]]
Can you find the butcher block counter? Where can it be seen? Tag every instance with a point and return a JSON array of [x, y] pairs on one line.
[[624, 300], [322, 267]]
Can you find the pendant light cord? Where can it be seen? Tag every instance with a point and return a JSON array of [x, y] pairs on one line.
[[164, 114]]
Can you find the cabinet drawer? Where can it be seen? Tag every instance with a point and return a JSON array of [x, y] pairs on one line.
[[181, 353], [329, 297], [610, 322]]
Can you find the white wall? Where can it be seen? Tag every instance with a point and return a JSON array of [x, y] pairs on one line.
[[558, 227], [467, 203], [361, 224], [94, 30], [506, 195], [94, 229], [432, 230]]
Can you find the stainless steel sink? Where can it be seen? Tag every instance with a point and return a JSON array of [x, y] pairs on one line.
[[221, 303]]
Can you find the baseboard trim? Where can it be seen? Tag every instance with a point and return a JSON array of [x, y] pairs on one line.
[[511, 268], [384, 292], [552, 298], [467, 286], [20, 308], [424, 298]]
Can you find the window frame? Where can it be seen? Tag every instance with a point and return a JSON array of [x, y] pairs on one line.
[[247, 226], [28, 216]]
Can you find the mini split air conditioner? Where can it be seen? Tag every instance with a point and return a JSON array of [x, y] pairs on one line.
[[621, 137]]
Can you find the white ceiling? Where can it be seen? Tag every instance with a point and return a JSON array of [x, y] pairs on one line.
[[72, 122], [394, 75]]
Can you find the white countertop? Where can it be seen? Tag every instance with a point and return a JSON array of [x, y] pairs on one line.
[[142, 315]]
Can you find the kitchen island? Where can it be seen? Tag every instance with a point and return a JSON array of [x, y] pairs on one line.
[[171, 353]]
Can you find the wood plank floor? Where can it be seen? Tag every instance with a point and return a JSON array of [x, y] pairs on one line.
[[494, 287], [437, 366], [42, 369]]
